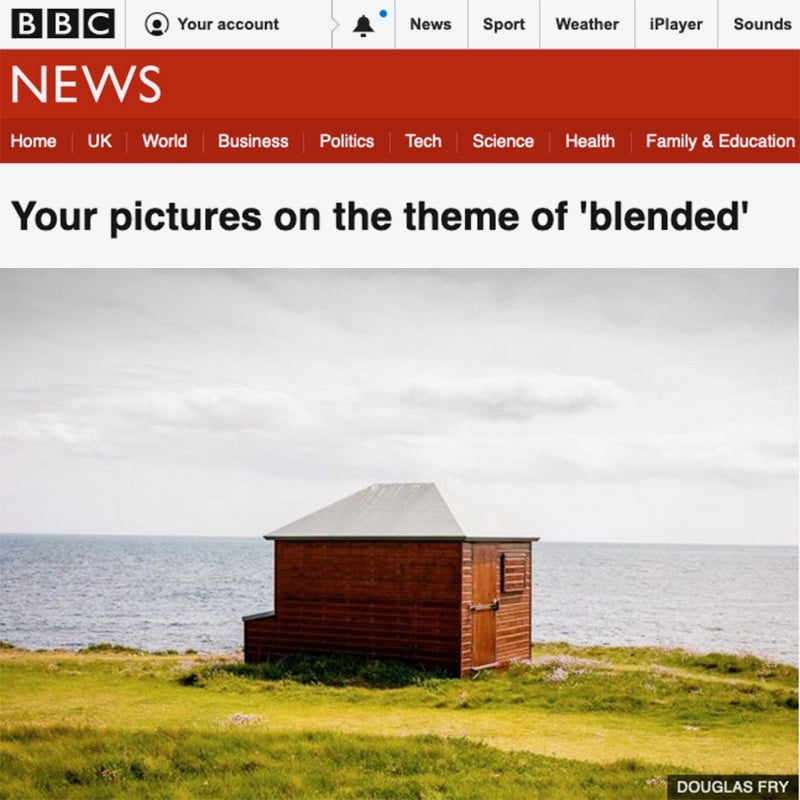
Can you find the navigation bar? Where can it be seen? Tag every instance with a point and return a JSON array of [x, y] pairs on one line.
[[402, 24], [400, 141]]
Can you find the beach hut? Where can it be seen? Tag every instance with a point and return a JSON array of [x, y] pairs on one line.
[[387, 572]]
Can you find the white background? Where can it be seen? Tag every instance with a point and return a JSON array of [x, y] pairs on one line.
[[768, 235]]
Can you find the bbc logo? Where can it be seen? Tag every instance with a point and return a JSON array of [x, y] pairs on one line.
[[62, 23]]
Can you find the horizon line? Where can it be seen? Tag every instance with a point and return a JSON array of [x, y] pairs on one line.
[[499, 537]]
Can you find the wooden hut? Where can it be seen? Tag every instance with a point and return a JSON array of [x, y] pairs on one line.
[[388, 573]]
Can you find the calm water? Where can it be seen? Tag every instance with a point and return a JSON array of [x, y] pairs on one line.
[[182, 592]]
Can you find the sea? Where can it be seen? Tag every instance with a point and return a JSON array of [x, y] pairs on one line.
[[179, 593]]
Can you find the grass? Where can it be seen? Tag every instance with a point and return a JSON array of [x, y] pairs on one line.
[[108, 647], [722, 664], [68, 762], [597, 723], [329, 670]]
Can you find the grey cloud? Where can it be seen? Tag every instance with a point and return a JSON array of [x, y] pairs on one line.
[[104, 424], [421, 423], [515, 398], [229, 409], [721, 456]]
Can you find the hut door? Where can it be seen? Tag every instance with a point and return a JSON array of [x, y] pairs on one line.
[[484, 604]]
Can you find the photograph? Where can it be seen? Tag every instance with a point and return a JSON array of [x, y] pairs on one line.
[[397, 533]]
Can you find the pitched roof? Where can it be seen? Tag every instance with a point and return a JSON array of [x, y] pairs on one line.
[[383, 510]]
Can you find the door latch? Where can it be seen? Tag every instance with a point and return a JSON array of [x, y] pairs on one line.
[[493, 606]]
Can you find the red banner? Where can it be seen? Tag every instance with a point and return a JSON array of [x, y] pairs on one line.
[[404, 106]]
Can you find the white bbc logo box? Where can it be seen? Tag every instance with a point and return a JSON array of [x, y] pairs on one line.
[[63, 24]]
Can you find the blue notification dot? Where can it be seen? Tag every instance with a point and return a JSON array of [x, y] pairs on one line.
[[383, 13]]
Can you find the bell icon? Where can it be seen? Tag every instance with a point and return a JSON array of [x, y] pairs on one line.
[[363, 27]]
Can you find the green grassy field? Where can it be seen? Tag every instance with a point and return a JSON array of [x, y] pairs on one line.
[[595, 723]]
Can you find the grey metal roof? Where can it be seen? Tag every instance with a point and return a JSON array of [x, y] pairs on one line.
[[383, 510]]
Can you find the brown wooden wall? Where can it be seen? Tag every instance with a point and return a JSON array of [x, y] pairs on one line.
[[466, 617], [513, 616], [384, 599]]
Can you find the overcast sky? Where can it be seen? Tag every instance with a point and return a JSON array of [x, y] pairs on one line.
[[605, 405]]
